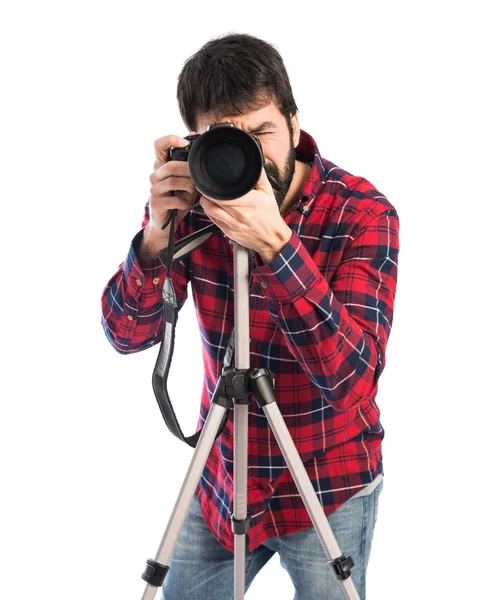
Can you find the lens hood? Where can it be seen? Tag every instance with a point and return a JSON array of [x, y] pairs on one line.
[[225, 162]]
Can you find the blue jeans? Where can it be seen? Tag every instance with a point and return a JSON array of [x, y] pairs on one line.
[[202, 569]]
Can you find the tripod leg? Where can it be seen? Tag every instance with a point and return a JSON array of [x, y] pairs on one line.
[[305, 487], [240, 517], [156, 570]]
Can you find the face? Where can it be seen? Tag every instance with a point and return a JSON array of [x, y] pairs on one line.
[[277, 138]]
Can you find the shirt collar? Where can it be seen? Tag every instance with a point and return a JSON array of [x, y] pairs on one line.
[[307, 151]]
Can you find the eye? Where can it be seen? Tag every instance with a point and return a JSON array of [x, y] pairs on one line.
[[262, 133]]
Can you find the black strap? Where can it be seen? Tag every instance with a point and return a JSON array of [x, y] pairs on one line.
[[170, 312], [162, 367]]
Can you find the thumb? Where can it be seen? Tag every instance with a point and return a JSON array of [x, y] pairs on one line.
[[264, 184]]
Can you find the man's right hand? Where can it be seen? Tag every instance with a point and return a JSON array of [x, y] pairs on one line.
[[169, 176]]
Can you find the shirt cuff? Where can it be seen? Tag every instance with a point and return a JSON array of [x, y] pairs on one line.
[[290, 274], [142, 278]]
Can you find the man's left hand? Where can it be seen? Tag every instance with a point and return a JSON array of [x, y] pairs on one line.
[[253, 221]]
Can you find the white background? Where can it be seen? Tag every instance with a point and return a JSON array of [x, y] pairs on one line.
[[404, 94]]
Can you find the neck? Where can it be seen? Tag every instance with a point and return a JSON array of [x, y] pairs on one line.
[[301, 172]]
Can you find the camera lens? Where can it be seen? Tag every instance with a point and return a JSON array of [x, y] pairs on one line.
[[225, 162]]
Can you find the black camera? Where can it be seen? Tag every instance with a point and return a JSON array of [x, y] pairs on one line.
[[224, 162]]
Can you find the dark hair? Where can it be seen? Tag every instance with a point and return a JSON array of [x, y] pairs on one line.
[[233, 74]]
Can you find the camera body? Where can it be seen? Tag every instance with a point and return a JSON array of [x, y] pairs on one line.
[[224, 162], [183, 153]]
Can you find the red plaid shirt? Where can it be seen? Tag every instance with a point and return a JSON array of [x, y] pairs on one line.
[[320, 317]]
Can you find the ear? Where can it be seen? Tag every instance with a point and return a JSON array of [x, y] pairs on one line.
[[296, 130]]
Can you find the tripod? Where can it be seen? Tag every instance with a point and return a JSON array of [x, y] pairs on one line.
[[239, 384]]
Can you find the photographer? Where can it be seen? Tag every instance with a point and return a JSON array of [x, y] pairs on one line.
[[322, 289]]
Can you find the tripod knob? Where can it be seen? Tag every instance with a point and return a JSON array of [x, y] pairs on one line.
[[262, 382], [341, 567]]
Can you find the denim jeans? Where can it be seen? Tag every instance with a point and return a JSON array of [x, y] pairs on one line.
[[202, 569]]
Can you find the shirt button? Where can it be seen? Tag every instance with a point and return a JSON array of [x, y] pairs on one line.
[[139, 282], [264, 285], [129, 317], [155, 281]]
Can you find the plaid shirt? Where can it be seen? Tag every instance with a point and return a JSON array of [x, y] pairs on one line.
[[320, 316]]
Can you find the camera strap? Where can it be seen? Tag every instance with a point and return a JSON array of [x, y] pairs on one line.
[[167, 256]]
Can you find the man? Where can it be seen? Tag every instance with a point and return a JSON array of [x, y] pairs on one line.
[[322, 291]]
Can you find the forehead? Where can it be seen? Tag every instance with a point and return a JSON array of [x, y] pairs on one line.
[[248, 120]]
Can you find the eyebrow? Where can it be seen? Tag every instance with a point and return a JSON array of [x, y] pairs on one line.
[[262, 127]]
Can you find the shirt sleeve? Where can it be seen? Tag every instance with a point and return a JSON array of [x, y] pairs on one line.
[[132, 309], [338, 330]]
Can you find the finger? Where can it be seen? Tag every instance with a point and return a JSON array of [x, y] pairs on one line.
[[178, 168], [162, 146], [221, 225], [263, 183], [226, 204], [176, 201], [214, 211], [174, 183], [213, 201], [181, 194], [170, 141]]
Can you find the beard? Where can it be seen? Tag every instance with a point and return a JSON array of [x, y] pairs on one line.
[[281, 182]]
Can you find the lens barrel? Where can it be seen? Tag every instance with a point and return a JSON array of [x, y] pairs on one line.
[[224, 162]]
